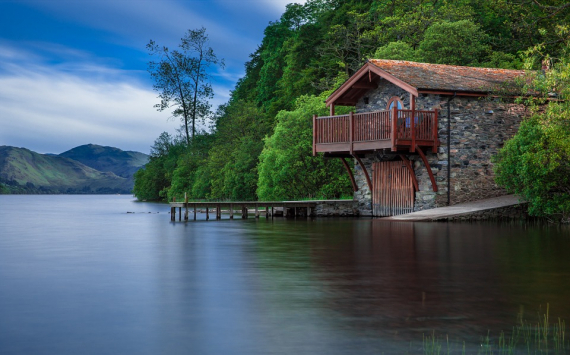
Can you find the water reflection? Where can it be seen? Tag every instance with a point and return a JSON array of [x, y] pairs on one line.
[[112, 282], [403, 280]]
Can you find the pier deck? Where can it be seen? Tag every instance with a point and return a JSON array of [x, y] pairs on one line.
[[296, 208]]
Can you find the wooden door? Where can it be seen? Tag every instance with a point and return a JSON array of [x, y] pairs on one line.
[[393, 190]]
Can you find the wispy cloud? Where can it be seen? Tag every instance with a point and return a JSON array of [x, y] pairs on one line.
[[50, 110]]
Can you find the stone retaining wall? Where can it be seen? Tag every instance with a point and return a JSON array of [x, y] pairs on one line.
[[336, 208], [517, 212]]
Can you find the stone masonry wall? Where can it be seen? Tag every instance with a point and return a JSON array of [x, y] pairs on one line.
[[479, 128]]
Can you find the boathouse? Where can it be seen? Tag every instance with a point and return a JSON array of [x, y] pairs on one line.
[[422, 135]]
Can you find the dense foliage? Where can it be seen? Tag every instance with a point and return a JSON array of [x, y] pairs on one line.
[[535, 163], [259, 143]]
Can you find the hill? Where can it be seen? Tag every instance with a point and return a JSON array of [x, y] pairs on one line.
[[108, 159], [25, 171]]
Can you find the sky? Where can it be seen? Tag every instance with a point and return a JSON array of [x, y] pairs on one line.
[[74, 72]]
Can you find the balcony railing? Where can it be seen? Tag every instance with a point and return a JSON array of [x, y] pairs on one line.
[[375, 130]]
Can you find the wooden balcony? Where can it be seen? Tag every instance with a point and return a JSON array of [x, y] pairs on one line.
[[369, 131]]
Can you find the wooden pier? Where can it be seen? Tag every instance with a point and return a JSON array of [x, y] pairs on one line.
[[268, 208]]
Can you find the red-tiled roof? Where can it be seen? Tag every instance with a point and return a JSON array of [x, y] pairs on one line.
[[425, 76]]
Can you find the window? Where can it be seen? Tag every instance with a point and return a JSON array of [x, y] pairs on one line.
[[395, 100]]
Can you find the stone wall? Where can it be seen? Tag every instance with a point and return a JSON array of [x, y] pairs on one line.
[[334, 208], [517, 212], [479, 128]]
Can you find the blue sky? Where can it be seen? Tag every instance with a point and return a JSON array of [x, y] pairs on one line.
[[73, 72]]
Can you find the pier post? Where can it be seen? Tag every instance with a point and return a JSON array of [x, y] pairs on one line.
[[266, 212], [172, 214], [207, 213], [186, 205], [231, 211], [272, 211], [194, 211], [179, 214], [256, 211], [218, 212]]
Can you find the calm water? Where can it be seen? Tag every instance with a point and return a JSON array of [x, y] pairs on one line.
[[80, 275]]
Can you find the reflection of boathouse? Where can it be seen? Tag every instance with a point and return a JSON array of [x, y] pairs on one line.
[[400, 131]]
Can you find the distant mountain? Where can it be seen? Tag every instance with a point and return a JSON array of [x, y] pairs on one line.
[[108, 159], [25, 171]]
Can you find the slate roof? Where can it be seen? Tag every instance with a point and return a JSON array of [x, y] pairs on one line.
[[425, 76]]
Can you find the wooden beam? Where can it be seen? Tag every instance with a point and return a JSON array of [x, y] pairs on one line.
[[451, 93], [350, 174], [411, 169], [368, 69], [365, 172], [430, 173]]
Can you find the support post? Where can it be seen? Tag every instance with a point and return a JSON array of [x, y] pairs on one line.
[[256, 211], [195, 211], [430, 173], [350, 174], [207, 213], [172, 214], [332, 110], [231, 211], [218, 212], [411, 169], [186, 206], [272, 212], [365, 172], [179, 214], [413, 122]]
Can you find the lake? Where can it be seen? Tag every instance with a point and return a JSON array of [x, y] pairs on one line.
[[104, 274]]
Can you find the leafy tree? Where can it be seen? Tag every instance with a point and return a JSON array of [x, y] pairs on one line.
[[188, 162], [233, 159], [398, 51], [458, 43], [535, 163], [153, 181], [287, 168], [181, 77]]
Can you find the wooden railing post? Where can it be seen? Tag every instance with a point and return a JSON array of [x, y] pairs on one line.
[[413, 129], [351, 130], [394, 127], [314, 135], [435, 132]]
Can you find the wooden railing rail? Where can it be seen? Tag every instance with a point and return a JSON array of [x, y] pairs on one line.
[[409, 125]]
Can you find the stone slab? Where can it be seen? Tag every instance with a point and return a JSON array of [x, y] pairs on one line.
[[457, 210]]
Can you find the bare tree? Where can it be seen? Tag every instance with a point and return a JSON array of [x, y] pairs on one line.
[[182, 79]]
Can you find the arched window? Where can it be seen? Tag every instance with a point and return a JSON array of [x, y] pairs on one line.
[[395, 101]]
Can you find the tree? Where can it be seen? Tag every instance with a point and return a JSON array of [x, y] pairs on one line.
[[398, 51], [287, 168], [181, 77], [535, 163], [457, 43]]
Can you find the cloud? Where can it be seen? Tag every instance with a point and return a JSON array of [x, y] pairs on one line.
[[50, 110]]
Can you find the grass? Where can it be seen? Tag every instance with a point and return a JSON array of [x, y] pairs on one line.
[[541, 337]]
